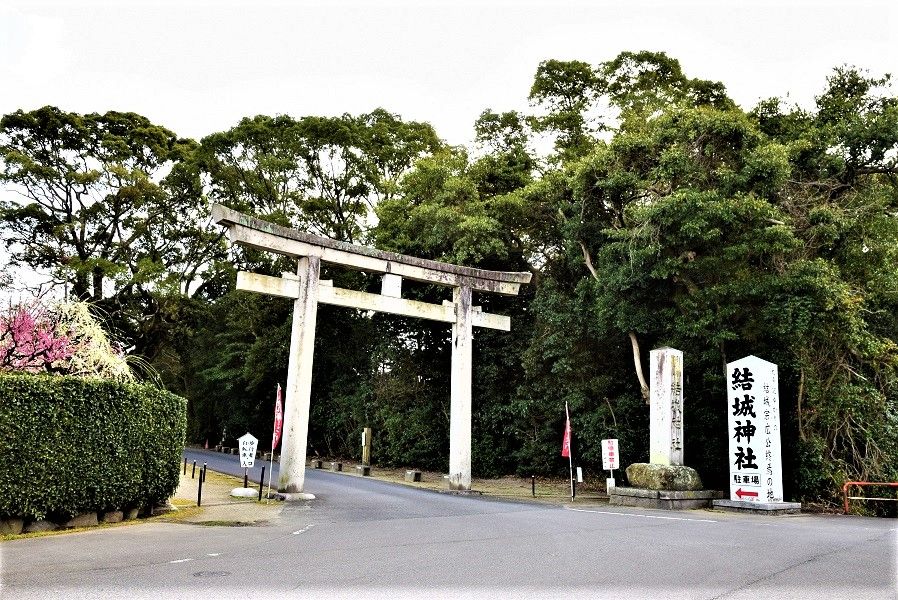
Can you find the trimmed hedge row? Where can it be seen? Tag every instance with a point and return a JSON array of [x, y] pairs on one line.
[[74, 445]]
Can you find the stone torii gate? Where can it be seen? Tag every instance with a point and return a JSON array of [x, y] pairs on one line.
[[308, 291]]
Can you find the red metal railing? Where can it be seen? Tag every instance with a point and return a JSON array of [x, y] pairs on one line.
[[863, 483]]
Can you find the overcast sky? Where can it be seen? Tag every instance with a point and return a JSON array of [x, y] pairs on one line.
[[198, 67]]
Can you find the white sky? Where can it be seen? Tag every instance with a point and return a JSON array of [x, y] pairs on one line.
[[198, 67]]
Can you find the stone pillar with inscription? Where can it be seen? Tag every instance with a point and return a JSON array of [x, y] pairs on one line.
[[666, 407]]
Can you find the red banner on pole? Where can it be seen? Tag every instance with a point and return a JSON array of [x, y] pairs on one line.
[[566, 442], [278, 420]]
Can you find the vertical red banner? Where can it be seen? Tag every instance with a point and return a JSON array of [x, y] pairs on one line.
[[278, 419], [566, 442]]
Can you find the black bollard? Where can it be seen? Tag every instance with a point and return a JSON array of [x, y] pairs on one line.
[[533, 485], [193, 471], [185, 465], [199, 491], [245, 478], [203, 472], [261, 481]]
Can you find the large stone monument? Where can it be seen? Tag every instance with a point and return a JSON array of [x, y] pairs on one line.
[[664, 482]]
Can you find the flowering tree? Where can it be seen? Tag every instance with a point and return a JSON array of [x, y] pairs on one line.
[[64, 339], [30, 341]]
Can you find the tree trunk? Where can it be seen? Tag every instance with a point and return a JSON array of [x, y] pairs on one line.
[[97, 276], [637, 359], [80, 287], [637, 364]]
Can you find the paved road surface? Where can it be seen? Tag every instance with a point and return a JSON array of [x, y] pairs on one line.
[[365, 538]]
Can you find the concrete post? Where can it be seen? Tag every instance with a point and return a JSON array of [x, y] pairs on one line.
[[460, 395], [366, 446], [299, 378]]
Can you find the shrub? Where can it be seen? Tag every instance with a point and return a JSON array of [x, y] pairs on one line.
[[74, 445]]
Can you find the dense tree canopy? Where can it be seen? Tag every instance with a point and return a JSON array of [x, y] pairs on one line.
[[665, 215]]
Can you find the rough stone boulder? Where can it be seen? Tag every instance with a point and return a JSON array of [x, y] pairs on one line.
[[11, 526], [663, 477]]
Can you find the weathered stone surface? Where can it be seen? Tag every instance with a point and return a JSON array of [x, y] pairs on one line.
[[131, 514], [85, 520], [37, 526], [336, 466], [363, 470], [663, 477], [163, 509], [11, 526], [759, 508], [664, 499], [413, 475], [316, 464], [113, 516]]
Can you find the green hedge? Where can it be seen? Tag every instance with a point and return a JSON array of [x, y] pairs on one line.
[[74, 445]]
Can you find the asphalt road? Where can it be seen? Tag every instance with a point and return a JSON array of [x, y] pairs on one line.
[[365, 538]]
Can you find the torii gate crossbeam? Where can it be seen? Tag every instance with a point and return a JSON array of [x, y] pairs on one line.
[[307, 290]]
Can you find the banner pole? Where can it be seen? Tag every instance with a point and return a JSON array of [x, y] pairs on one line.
[[270, 469], [276, 437], [570, 453]]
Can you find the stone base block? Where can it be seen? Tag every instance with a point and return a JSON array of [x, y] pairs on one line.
[[336, 466], [363, 470], [131, 514], [13, 526], [295, 496], [666, 499], [759, 508], [163, 509], [244, 492], [315, 464], [413, 475], [113, 516], [36, 526], [85, 520]]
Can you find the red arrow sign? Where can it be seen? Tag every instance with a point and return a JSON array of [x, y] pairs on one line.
[[741, 493]]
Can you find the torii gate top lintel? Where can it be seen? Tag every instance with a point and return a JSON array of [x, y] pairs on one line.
[[254, 232]]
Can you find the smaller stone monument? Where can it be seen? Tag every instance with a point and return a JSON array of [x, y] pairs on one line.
[[664, 482], [753, 428]]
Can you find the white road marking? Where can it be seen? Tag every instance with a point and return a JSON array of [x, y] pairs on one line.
[[608, 512], [304, 529], [214, 554], [180, 560]]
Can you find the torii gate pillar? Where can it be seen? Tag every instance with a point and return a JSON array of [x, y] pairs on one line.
[[460, 392], [292, 475]]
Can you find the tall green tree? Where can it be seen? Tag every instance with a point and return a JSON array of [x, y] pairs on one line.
[[102, 202], [321, 174]]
